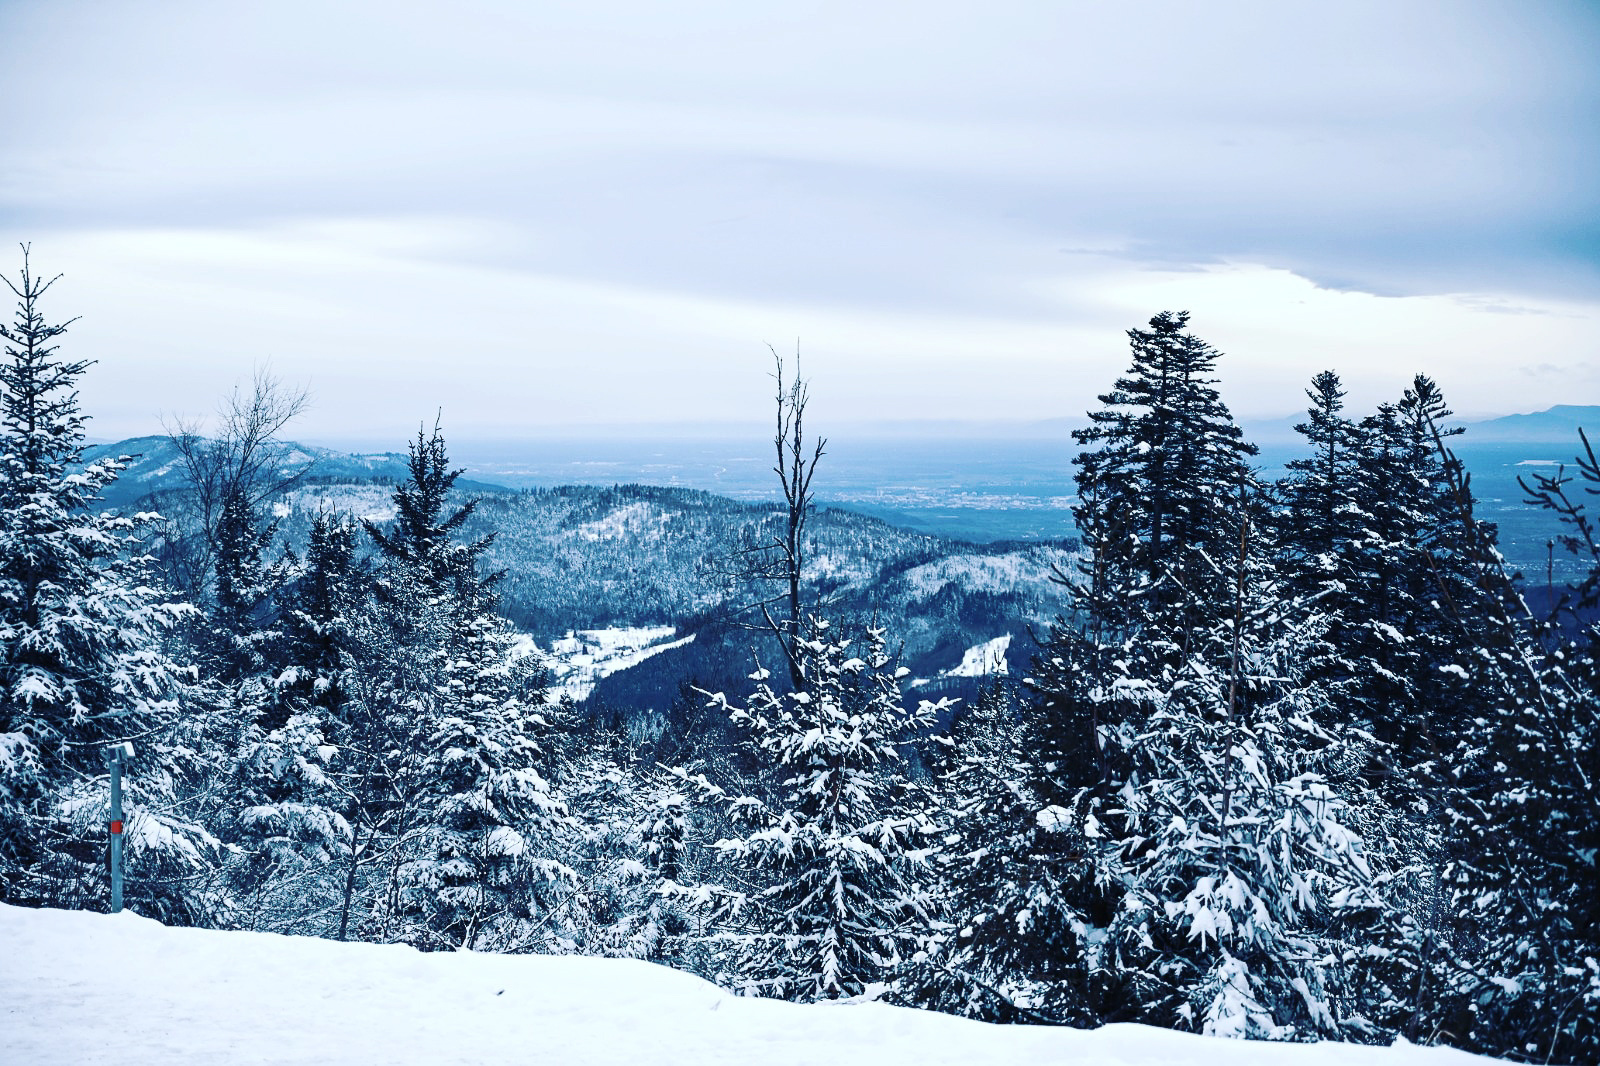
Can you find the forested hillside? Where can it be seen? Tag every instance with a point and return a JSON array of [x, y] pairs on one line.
[[1293, 760]]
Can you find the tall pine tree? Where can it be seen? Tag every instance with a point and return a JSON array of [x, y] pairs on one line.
[[82, 654], [465, 713]]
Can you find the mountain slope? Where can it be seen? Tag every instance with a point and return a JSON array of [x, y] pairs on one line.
[[157, 466], [80, 989], [1555, 425]]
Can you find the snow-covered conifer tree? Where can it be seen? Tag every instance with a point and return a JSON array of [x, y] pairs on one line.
[[1183, 754], [1159, 466], [83, 657], [298, 765], [241, 620], [1236, 848], [832, 835], [1019, 908], [1522, 807], [466, 712]]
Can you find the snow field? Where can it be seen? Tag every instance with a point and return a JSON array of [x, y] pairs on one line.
[[77, 989], [984, 659], [580, 659]]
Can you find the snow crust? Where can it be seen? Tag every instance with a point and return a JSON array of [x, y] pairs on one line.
[[79, 988]]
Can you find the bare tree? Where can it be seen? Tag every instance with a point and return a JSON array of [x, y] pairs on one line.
[[781, 560], [237, 462]]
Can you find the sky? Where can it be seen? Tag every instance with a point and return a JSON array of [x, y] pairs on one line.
[[547, 218]]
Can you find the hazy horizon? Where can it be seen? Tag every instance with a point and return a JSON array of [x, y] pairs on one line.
[[1048, 429]]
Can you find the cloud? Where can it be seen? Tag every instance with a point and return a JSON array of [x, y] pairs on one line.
[[387, 320], [987, 192]]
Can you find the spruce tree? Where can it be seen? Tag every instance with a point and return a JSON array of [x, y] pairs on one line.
[[242, 623], [1521, 811], [82, 654], [1236, 847], [832, 833], [1020, 904], [464, 712], [1184, 748], [301, 763], [1316, 518], [1158, 469]]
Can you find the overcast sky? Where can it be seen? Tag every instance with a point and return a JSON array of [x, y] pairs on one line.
[[541, 214]]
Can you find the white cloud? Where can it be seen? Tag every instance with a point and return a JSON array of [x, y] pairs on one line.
[[608, 210], [386, 327]]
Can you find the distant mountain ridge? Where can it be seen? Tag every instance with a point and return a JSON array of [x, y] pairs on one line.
[[157, 466], [1554, 425]]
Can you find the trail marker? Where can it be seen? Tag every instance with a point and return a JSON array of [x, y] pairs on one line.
[[116, 755]]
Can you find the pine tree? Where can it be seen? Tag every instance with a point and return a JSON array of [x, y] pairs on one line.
[[82, 654], [465, 711], [1478, 738], [1021, 907], [1160, 464], [832, 830]]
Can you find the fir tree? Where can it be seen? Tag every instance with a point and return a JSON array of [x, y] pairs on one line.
[[82, 654], [832, 831], [1160, 464]]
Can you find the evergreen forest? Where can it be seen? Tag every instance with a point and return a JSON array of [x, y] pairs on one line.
[[1289, 759]]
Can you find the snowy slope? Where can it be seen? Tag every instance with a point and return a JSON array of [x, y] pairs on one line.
[[984, 659], [581, 658], [79, 988]]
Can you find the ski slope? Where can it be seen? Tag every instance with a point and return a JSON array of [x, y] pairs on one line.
[[79, 988]]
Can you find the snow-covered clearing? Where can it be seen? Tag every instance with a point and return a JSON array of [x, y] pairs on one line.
[[984, 659], [79, 988], [372, 503], [635, 518], [980, 660], [581, 658]]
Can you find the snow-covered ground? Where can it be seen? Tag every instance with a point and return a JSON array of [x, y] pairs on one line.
[[78, 989], [581, 658], [980, 660], [634, 518], [984, 659]]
